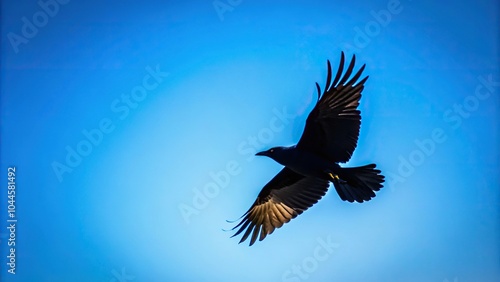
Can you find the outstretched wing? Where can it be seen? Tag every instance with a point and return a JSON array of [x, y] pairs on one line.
[[283, 198], [332, 127]]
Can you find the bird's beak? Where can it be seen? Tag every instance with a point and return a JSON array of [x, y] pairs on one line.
[[261, 154]]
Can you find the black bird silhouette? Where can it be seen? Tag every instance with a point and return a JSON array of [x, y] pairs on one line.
[[330, 137]]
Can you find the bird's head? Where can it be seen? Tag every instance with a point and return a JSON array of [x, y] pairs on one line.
[[276, 153]]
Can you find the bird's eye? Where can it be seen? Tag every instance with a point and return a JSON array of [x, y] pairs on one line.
[[272, 150]]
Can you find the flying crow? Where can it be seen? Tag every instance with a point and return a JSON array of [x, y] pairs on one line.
[[330, 137]]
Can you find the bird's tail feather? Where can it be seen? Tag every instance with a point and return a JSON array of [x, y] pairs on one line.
[[358, 183]]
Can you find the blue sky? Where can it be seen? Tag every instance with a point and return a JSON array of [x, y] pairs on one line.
[[132, 126]]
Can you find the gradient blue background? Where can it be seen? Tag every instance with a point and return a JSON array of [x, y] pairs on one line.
[[119, 209]]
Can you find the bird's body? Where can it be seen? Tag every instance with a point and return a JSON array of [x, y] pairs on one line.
[[330, 137], [302, 162]]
